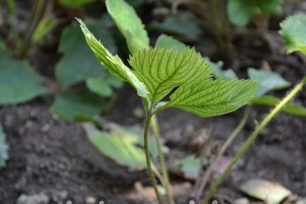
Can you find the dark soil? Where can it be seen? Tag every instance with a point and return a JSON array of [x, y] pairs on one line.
[[55, 158]]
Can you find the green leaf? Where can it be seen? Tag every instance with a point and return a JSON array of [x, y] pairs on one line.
[[114, 64], [293, 31], [240, 12], [75, 3], [104, 85], [43, 28], [119, 148], [78, 63], [74, 105], [179, 25], [270, 192], [135, 137], [162, 70], [165, 41], [190, 166], [18, 82], [290, 108], [129, 24], [3, 148], [218, 72], [267, 81], [212, 98]]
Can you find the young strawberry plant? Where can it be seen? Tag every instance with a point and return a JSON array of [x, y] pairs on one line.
[[165, 78]]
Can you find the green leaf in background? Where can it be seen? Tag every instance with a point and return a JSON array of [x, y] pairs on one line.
[[119, 148], [293, 31], [269, 192], [218, 72], [74, 105], [267, 80], [74, 3], [18, 82], [129, 24], [179, 25], [165, 41], [290, 108], [113, 63], [43, 28], [240, 12], [212, 98], [104, 85], [135, 3], [3, 148], [190, 166], [135, 137], [78, 63], [161, 70]]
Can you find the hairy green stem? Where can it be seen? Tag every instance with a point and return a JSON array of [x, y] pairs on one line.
[[224, 147], [148, 159], [252, 138], [162, 160]]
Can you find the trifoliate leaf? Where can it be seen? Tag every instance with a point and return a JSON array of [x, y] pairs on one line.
[[18, 81], [270, 192], [78, 63], [293, 31], [267, 80], [290, 108], [162, 70], [129, 24], [212, 98], [113, 63], [165, 41], [74, 105], [3, 148]]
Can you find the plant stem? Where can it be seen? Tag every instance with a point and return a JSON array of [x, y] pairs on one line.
[[162, 160], [224, 147], [252, 138], [148, 160]]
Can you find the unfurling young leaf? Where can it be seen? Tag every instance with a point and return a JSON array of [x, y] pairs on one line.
[[293, 31], [113, 63]]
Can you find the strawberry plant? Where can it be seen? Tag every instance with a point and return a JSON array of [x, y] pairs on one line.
[[165, 78]]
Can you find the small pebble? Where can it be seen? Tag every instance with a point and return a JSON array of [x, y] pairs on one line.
[[242, 201], [90, 200]]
